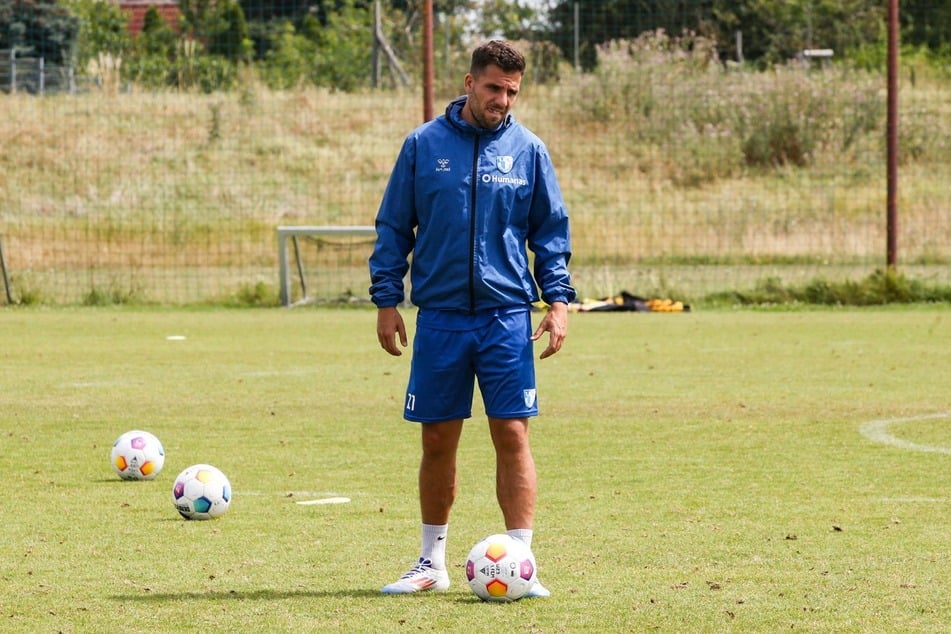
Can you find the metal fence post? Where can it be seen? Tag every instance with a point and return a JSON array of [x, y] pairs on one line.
[[283, 272], [3, 269]]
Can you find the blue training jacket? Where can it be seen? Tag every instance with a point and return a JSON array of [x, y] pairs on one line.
[[466, 202]]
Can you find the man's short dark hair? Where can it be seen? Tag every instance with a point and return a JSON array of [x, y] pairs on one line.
[[498, 53]]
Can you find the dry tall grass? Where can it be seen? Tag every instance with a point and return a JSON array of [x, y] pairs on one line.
[[134, 191]]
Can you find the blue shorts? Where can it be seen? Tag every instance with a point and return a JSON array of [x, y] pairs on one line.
[[453, 349]]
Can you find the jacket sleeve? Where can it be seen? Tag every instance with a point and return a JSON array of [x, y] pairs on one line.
[[549, 235], [395, 231]]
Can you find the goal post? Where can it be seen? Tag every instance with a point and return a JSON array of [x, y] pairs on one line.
[[287, 239]]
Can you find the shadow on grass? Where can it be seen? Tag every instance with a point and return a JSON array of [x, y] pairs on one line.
[[247, 595], [129, 483], [277, 595]]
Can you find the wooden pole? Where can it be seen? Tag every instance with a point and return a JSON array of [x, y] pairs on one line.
[[892, 138], [428, 60], [375, 57]]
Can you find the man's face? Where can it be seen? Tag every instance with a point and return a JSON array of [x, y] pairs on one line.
[[491, 96]]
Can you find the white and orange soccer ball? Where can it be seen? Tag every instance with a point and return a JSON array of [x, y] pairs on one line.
[[201, 492], [501, 568], [137, 455]]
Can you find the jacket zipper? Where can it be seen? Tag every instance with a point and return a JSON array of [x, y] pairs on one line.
[[472, 226]]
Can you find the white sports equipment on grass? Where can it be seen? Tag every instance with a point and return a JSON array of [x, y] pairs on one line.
[[201, 492], [501, 568], [137, 455], [420, 577]]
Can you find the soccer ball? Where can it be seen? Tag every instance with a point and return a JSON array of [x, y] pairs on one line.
[[500, 568], [201, 492], [137, 455]]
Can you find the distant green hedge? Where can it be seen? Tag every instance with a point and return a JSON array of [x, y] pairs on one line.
[[879, 288]]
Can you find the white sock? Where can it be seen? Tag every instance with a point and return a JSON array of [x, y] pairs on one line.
[[434, 544], [521, 534]]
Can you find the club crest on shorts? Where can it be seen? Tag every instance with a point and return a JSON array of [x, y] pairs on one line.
[[505, 163], [529, 397]]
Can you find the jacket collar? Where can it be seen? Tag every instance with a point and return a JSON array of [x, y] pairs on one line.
[[454, 117]]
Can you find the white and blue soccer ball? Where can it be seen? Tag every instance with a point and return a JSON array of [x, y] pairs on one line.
[[201, 492], [501, 568]]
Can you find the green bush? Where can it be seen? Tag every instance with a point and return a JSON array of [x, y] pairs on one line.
[[230, 38], [156, 38], [879, 288], [191, 70], [38, 28], [258, 294], [103, 28], [114, 295], [25, 292], [288, 59], [149, 71], [344, 49]]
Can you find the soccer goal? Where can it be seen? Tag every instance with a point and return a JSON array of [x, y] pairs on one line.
[[330, 262]]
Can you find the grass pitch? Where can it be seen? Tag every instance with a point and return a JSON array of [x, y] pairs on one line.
[[700, 472]]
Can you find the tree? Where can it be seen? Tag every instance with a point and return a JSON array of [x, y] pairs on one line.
[[198, 18], [266, 20], [157, 38], [773, 31], [268, 10], [288, 58], [151, 65], [603, 21], [344, 47], [40, 28], [230, 37], [512, 20], [927, 23], [103, 29]]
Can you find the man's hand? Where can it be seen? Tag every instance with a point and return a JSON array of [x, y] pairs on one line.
[[556, 323], [389, 324]]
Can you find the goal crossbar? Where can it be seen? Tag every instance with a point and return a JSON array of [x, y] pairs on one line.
[[290, 234]]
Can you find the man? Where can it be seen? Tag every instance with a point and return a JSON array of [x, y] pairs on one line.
[[469, 192]]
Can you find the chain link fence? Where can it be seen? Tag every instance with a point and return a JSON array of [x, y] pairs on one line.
[[684, 176]]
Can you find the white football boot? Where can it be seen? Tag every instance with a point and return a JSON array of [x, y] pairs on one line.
[[538, 591], [420, 578]]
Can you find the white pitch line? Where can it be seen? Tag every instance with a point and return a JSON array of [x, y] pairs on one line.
[[877, 431], [333, 500]]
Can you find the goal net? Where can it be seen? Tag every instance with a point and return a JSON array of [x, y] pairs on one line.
[[324, 263]]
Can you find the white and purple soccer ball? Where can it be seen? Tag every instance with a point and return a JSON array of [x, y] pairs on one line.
[[137, 455], [501, 568]]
